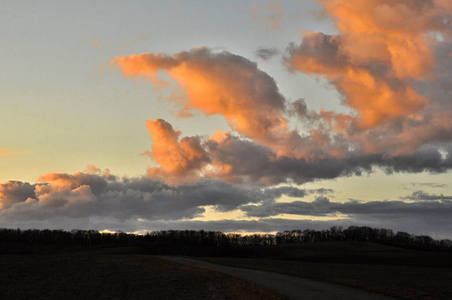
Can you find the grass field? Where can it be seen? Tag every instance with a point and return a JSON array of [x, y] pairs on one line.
[[97, 275], [397, 272]]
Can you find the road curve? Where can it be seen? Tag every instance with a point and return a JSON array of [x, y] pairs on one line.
[[289, 286]]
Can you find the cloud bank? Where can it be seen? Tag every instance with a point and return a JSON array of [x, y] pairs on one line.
[[93, 200]]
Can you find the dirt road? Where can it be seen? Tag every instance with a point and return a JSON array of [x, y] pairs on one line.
[[289, 286]]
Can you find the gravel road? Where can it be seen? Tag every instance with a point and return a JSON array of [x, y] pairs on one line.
[[289, 286]]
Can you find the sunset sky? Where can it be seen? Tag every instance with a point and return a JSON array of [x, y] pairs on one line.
[[238, 116]]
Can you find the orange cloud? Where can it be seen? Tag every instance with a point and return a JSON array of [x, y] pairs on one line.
[[93, 169], [97, 184], [220, 83], [66, 197], [382, 45], [180, 160]]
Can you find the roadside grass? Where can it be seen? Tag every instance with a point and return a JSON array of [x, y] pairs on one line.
[[95, 275]]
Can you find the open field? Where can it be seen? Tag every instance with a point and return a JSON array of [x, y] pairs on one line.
[[97, 275], [86, 264], [403, 273]]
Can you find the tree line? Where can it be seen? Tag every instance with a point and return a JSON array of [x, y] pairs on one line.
[[215, 239], [364, 234]]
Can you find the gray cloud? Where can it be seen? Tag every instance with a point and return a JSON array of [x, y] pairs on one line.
[[286, 190], [89, 195], [67, 201], [267, 53], [12, 192], [421, 195], [321, 191], [429, 184], [420, 217], [255, 164]]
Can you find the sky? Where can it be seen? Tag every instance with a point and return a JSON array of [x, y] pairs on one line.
[[237, 116]]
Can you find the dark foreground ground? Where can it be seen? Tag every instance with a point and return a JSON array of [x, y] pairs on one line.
[[107, 275], [135, 273], [392, 271], [295, 288]]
